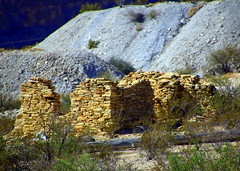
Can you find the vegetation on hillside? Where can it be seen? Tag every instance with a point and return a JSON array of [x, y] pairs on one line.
[[226, 60], [8, 103], [122, 65], [90, 7]]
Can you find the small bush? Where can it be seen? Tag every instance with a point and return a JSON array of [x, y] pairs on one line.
[[83, 163], [6, 125], [226, 102], [17, 154], [156, 140], [90, 7], [137, 16], [152, 14], [122, 66], [225, 60], [185, 70], [8, 103], [92, 44], [109, 75], [65, 103], [221, 158]]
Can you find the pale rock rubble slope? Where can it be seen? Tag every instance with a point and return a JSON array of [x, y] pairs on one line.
[[166, 43]]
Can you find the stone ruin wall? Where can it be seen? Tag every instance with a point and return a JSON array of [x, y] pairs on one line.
[[38, 103], [94, 106], [102, 106]]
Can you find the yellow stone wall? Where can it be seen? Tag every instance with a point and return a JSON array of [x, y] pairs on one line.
[[101, 106], [39, 103], [95, 106]]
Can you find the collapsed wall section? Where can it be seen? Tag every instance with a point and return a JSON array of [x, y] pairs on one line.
[[137, 102], [39, 102], [168, 92]]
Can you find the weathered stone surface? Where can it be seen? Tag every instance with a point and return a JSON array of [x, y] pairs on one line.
[[101, 106], [38, 102]]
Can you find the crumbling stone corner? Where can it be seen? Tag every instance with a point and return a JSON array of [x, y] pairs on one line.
[[39, 102]]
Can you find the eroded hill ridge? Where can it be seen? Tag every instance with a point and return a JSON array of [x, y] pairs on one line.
[[166, 38]]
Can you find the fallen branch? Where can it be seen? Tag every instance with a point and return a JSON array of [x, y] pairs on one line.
[[213, 137]]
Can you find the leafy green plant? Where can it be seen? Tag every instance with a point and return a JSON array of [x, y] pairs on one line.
[[224, 60], [90, 7], [122, 66], [186, 70], [92, 44]]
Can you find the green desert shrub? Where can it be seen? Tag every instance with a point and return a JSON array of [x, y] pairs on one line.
[[226, 102], [92, 44], [65, 103], [83, 162], [220, 158], [152, 14], [90, 7], [122, 65], [109, 75], [156, 140], [224, 60], [17, 154], [185, 70], [6, 124], [8, 103], [55, 148]]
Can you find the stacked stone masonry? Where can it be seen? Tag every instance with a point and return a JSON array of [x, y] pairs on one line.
[[39, 103], [101, 106]]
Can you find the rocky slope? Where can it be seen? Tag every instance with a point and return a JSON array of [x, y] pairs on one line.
[[65, 71], [167, 42], [25, 22]]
